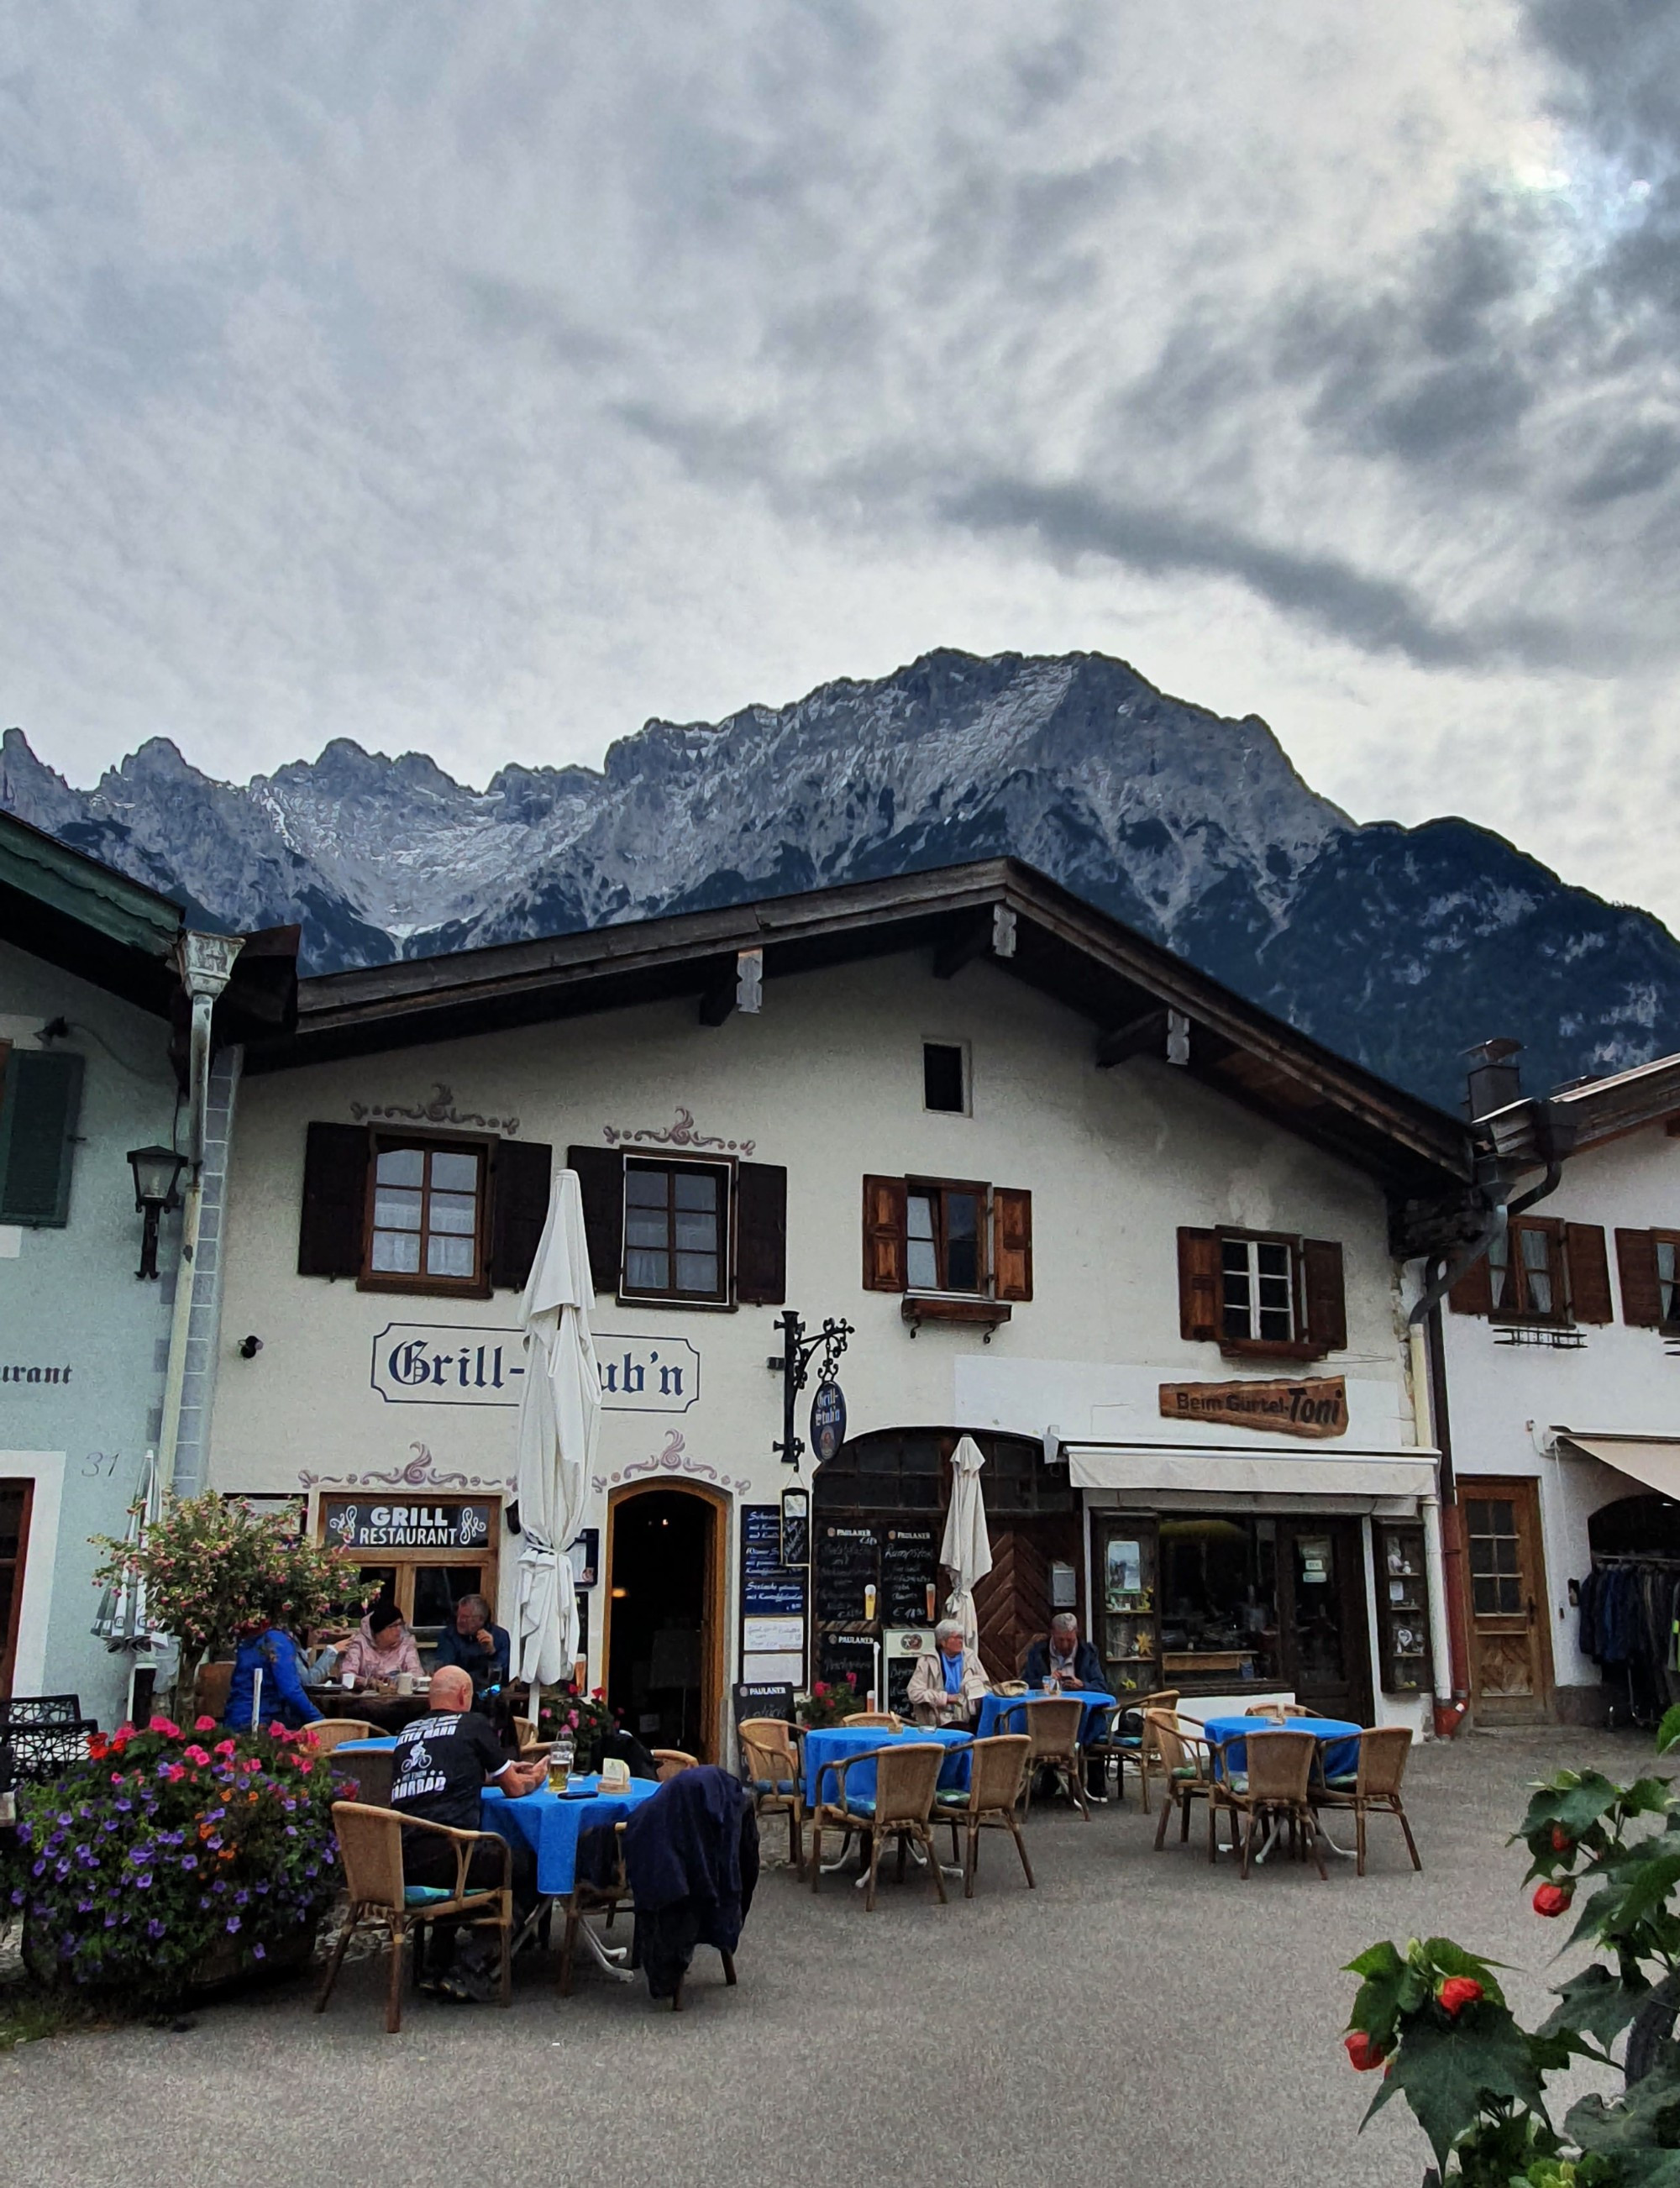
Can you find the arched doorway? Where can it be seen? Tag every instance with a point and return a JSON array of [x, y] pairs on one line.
[[663, 1646], [897, 1481], [1634, 1527]]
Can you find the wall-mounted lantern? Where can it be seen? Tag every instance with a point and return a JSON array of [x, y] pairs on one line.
[[157, 1172]]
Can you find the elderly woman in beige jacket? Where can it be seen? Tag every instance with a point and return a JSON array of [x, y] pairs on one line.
[[947, 1683]]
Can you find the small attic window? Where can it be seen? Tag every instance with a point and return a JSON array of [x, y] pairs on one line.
[[944, 1078]]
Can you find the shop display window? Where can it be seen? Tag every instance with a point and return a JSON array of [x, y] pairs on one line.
[[1402, 1609]]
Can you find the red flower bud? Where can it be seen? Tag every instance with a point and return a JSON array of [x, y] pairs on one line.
[[1551, 1899], [1364, 2052], [1561, 1841], [1457, 1992]]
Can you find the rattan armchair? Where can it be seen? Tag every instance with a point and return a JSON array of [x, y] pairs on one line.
[[1274, 1789], [773, 1777], [905, 1778], [669, 1760], [885, 1719], [370, 1846], [1123, 1747], [332, 1732], [1374, 1786], [1185, 1771], [996, 1773], [1051, 1723]]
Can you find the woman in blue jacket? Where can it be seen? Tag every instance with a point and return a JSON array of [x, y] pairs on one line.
[[271, 1650]]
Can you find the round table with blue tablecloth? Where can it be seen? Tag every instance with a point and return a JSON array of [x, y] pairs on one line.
[[1339, 1740], [836, 1743], [1005, 1712], [551, 1823]]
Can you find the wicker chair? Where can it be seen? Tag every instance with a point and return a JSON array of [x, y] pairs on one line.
[[1051, 1723], [370, 1845], [902, 1803], [333, 1732], [773, 1777], [1274, 1788], [1185, 1771], [884, 1719], [1374, 1784], [997, 1770], [586, 1897], [670, 1759], [1121, 1748]]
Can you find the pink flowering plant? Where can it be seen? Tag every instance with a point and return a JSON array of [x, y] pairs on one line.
[[829, 1702], [166, 1847], [585, 1717]]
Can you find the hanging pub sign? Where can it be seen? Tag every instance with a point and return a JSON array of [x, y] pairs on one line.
[[364, 1524], [796, 1526], [1316, 1408], [828, 1421]]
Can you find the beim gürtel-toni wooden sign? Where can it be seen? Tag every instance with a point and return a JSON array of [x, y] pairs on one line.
[[1317, 1407]]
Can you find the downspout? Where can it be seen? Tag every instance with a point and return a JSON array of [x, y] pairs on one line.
[[1494, 1177], [1448, 1712], [204, 963]]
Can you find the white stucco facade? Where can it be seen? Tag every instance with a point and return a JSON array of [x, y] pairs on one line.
[[827, 1080]]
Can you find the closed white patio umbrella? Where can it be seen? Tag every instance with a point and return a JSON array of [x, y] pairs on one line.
[[967, 1549], [559, 1417], [121, 1621]]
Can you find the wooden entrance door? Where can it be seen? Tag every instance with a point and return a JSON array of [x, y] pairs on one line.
[[1325, 1649], [1510, 1640], [15, 1502], [1012, 1603], [662, 1646]]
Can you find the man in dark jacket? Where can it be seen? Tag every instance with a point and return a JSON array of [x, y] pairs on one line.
[[1071, 1662], [482, 1650]]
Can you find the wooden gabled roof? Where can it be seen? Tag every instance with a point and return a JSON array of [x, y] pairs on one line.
[[1124, 984]]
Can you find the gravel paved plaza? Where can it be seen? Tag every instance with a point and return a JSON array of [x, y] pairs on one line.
[[1137, 2015]]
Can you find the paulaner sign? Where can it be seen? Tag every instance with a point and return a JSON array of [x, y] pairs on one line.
[[424, 1363], [356, 1523], [1316, 1408]]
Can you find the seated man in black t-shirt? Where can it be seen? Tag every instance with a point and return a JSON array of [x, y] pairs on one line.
[[443, 1763]]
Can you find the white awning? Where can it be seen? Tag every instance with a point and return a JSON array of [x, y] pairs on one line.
[[1226, 1470], [1654, 1460]]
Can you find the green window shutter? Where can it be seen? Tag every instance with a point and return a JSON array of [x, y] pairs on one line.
[[38, 1113]]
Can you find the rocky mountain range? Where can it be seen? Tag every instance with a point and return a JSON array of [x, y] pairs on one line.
[[1397, 946]]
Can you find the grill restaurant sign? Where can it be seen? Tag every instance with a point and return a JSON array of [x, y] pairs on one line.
[[424, 1363], [1316, 1408], [356, 1523]]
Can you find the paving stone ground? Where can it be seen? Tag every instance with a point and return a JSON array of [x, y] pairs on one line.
[[1140, 2016]]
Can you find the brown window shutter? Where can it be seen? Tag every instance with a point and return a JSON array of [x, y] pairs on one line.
[[334, 1201], [761, 1234], [1198, 1292], [884, 1255], [1325, 1294], [1473, 1293], [601, 1180], [1589, 1272], [1012, 1243], [1636, 1264], [523, 1170]]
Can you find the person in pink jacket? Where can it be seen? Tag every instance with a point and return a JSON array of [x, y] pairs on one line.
[[383, 1648]]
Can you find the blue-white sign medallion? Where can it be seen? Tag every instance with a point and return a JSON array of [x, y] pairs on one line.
[[828, 1421]]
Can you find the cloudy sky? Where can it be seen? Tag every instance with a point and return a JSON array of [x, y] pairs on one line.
[[484, 378]]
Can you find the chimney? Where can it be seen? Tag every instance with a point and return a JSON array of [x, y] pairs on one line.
[[1494, 1079]]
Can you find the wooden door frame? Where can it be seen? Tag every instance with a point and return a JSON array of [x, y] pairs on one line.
[[713, 1668], [1358, 1640], [1522, 1489], [9, 1639]]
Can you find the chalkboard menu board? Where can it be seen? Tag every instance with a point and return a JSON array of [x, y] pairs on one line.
[[899, 1669], [848, 1561], [768, 1589], [841, 1655], [909, 1577]]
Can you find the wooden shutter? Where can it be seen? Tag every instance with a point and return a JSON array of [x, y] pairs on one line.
[[1324, 1294], [761, 1234], [1198, 1288], [884, 1253], [1012, 1243], [523, 1170], [1473, 1293], [1589, 1272], [1636, 1264], [334, 1201], [39, 1112], [600, 1178]]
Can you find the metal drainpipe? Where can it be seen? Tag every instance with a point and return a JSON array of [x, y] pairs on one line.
[[204, 963]]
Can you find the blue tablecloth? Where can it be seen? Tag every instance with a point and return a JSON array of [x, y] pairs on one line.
[[551, 1824], [1340, 1753], [823, 1750], [366, 1747], [995, 1711]]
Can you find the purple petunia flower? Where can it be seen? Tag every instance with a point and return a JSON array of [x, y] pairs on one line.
[[257, 1952], [155, 1928], [143, 1883], [123, 1808], [232, 1923], [190, 1861]]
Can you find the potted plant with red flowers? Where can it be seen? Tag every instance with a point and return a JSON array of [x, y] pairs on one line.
[[830, 1701], [585, 1717], [169, 1859]]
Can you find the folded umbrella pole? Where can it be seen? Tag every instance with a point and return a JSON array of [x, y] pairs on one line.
[[967, 1549]]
